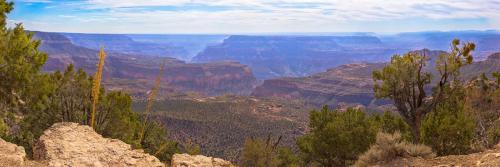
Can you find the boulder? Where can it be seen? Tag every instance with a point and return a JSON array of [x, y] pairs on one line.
[[186, 160], [11, 154], [71, 144]]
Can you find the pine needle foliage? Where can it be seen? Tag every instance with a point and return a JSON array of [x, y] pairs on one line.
[[96, 87]]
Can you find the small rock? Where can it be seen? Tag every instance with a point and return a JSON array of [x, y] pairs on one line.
[[186, 160]]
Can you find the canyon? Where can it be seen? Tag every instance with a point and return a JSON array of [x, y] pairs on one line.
[[137, 73]]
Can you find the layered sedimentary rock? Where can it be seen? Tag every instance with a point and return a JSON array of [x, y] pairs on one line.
[[137, 73], [345, 84], [279, 56], [353, 83]]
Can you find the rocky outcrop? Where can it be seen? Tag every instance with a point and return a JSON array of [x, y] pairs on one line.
[[71, 144], [11, 154], [350, 84], [186, 160]]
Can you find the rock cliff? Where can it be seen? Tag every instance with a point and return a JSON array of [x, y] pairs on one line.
[[352, 84], [294, 56], [136, 73]]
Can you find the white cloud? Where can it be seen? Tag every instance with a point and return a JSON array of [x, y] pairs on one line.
[[275, 16], [337, 9]]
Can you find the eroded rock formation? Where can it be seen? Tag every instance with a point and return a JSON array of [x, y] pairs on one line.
[[71, 144]]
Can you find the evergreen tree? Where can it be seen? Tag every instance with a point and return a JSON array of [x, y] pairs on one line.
[[404, 80], [42, 99], [20, 63]]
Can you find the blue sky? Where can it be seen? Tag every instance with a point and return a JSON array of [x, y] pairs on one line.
[[255, 16]]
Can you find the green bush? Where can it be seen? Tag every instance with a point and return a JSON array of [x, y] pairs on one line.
[[448, 130], [3, 128], [258, 152], [288, 158], [336, 138]]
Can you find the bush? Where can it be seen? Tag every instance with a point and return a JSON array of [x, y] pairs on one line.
[[482, 101], [191, 148], [258, 152], [448, 130], [336, 138], [493, 133], [3, 128], [288, 158], [390, 146], [391, 123]]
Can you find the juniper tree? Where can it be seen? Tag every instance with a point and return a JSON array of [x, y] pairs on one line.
[[20, 62], [404, 80]]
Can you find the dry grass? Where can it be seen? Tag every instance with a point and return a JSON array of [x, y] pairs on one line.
[[389, 147], [97, 85]]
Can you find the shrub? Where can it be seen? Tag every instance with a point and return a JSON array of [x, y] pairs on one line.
[[259, 153], [191, 148], [482, 101], [417, 150], [391, 123], [448, 130], [493, 133], [3, 128], [390, 146], [336, 138], [288, 158]]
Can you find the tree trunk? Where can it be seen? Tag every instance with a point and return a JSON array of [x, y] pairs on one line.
[[415, 128], [415, 132]]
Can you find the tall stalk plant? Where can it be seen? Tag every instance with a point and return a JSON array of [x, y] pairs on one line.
[[97, 85], [150, 100]]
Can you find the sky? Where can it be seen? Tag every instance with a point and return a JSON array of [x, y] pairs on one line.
[[255, 16]]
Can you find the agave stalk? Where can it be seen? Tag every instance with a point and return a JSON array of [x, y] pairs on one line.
[[150, 100], [96, 87]]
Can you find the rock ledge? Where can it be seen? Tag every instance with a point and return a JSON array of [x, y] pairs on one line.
[[71, 144]]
